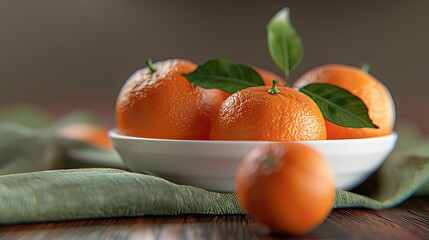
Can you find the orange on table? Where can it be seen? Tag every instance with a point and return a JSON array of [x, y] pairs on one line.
[[288, 187], [89, 133], [371, 91], [255, 114], [162, 103]]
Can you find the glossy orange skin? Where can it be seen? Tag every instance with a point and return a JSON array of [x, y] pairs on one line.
[[255, 114], [293, 193], [371, 91], [92, 134], [164, 104]]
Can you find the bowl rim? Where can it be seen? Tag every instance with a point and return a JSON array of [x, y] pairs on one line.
[[113, 134]]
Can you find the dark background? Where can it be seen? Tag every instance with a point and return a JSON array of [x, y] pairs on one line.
[[62, 55]]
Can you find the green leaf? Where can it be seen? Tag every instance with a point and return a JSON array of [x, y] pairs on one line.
[[339, 106], [284, 43], [224, 75]]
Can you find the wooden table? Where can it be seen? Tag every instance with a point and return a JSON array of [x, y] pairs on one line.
[[407, 221]]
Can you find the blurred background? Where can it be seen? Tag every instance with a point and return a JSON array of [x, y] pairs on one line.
[[63, 55]]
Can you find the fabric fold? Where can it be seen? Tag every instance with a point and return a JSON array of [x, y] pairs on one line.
[[36, 186]]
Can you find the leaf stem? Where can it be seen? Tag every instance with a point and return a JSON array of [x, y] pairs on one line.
[[149, 64], [365, 66], [273, 89], [268, 162]]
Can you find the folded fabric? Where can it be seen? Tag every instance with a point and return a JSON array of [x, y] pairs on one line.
[[29, 194], [97, 193]]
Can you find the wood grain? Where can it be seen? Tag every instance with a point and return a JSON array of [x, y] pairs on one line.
[[408, 221]]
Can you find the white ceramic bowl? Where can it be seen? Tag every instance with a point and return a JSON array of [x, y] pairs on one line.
[[212, 164]]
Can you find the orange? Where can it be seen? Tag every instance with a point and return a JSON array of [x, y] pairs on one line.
[[371, 91], [268, 77], [288, 187], [92, 134], [255, 114], [162, 103]]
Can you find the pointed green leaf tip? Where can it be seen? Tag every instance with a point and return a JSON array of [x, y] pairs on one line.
[[284, 43], [339, 106], [225, 75]]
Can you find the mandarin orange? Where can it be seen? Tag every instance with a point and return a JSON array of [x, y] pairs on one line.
[[89, 133], [159, 102], [266, 76], [288, 187], [371, 91], [255, 114]]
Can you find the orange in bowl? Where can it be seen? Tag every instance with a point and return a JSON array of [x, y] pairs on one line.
[[371, 91], [159, 102], [269, 113], [266, 76]]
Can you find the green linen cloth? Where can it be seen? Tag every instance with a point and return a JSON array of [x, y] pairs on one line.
[[92, 183]]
